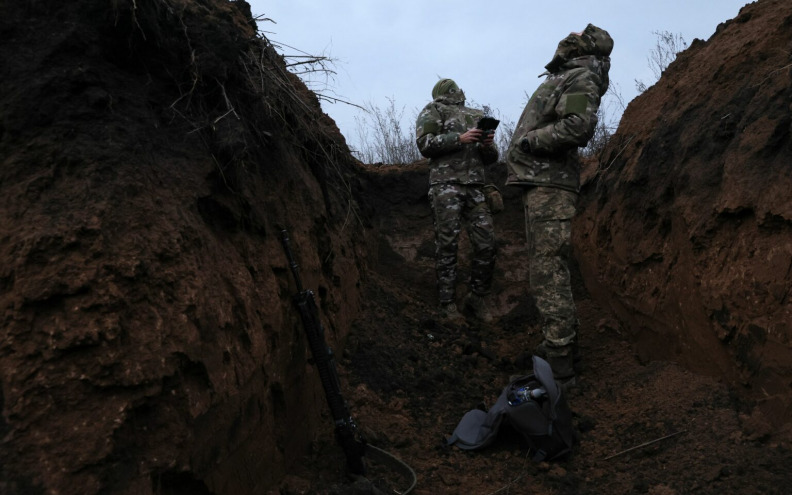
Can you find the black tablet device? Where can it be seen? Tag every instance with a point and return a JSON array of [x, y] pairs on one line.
[[487, 124]]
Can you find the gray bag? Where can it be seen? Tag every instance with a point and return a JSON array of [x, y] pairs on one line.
[[544, 420]]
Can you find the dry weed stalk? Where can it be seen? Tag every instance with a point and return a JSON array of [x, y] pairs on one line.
[[228, 104], [602, 170], [772, 73], [262, 72], [257, 89], [513, 483]]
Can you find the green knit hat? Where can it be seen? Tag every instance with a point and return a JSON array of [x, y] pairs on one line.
[[443, 87]]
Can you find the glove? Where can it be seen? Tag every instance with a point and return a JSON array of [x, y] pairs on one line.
[[525, 145], [493, 197]]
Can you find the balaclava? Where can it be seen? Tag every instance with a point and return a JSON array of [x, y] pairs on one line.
[[448, 90]]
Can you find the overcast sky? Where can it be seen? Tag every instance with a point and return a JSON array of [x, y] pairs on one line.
[[494, 50]]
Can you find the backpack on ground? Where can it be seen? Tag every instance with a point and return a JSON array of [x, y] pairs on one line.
[[533, 405]]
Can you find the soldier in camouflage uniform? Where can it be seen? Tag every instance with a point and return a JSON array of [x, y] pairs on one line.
[[446, 134], [542, 158]]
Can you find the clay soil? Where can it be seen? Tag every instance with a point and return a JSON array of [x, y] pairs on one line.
[[149, 344], [410, 377]]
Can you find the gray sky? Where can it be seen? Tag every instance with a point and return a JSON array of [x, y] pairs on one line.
[[494, 50]]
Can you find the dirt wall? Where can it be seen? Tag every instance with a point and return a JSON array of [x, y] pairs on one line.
[[148, 343], [685, 229]]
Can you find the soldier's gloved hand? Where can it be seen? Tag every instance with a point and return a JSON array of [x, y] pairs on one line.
[[525, 145]]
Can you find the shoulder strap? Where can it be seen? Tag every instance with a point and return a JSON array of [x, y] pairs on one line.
[[544, 375]]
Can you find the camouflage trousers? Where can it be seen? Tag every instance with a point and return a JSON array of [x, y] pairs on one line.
[[454, 205], [548, 229]]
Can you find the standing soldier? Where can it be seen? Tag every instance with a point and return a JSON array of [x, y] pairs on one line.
[[543, 158], [446, 133]]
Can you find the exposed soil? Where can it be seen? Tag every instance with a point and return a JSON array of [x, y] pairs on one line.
[[685, 226], [151, 152], [411, 378]]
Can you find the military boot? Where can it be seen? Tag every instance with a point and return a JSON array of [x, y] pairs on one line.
[[541, 351], [561, 361], [449, 312], [563, 370], [576, 356], [478, 306]]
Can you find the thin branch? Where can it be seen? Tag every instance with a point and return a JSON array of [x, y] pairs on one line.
[[228, 104], [312, 61], [332, 99], [261, 18], [307, 56], [771, 74], [644, 445], [617, 154], [134, 18], [222, 174], [511, 483]]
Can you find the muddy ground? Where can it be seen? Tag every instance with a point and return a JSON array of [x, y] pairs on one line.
[[410, 377]]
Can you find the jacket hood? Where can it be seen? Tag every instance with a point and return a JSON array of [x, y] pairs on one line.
[[592, 41], [602, 41], [598, 65]]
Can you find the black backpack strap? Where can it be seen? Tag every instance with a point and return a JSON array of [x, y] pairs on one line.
[[559, 413], [544, 375]]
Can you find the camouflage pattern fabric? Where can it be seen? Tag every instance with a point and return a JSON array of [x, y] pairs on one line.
[[456, 181], [592, 41], [444, 87], [561, 116], [453, 205], [548, 229], [437, 132], [600, 42]]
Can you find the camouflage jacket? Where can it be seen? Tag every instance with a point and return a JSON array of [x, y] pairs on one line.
[[560, 117], [437, 132]]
